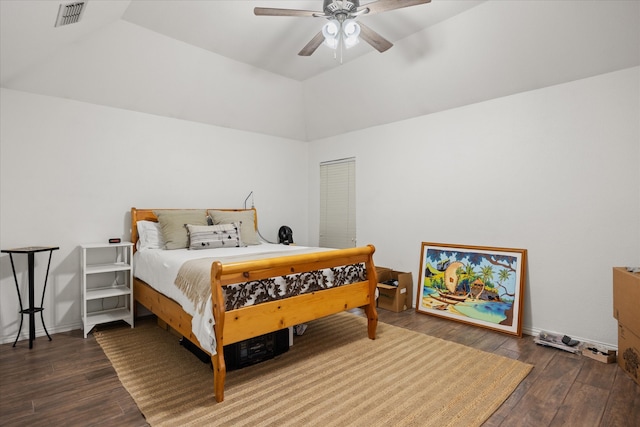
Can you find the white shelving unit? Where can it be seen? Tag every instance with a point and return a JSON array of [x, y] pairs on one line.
[[107, 283]]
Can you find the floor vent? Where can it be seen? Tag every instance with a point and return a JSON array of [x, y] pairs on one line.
[[70, 13]]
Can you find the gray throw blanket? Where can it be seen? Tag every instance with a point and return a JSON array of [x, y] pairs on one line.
[[194, 280]]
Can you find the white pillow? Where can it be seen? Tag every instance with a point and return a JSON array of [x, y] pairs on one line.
[[149, 235]]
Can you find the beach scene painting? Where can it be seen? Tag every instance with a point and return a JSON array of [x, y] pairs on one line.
[[479, 285]]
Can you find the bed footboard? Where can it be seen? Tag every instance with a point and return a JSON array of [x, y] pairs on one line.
[[247, 322]]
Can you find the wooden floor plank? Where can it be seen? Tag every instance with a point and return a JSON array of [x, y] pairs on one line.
[[573, 410], [623, 404], [598, 374]]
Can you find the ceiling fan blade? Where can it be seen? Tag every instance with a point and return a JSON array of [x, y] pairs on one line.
[[269, 11], [311, 47], [374, 39], [386, 5]]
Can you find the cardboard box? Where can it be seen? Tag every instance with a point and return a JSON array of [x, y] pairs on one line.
[[394, 298], [599, 353], [629, 352], [626, 296]]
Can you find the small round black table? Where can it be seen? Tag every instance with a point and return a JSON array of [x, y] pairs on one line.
[[32, 309]]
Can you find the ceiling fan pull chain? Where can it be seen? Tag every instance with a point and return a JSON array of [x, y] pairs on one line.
[[341, 42]]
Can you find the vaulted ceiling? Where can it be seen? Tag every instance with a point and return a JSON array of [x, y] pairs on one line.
[[216, 62]]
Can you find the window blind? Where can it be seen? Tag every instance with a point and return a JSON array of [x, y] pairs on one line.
[[337, 203]]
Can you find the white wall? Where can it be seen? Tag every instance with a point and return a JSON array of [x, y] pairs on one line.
[[555, 171], [71, 171]]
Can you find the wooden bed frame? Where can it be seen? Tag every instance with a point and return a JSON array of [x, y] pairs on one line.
[[248, 322]]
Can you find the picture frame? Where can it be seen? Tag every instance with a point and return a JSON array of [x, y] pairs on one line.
[[477, 285]]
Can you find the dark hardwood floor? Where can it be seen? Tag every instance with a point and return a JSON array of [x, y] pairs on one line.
[[69, 381], [65, 382]]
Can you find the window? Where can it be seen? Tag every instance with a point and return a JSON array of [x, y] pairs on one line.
[[337, 203]]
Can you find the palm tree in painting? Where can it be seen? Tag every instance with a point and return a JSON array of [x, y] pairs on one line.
[[503, 276], [468, 275], [486, 273]]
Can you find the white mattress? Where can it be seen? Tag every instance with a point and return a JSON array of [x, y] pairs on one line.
[[159, 269]]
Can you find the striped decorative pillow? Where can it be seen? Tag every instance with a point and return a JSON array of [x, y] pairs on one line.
[[214, 236]]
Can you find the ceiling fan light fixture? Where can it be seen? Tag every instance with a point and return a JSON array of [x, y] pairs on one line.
[[335, 32], [331, 33], [331, 42], [351, 31]]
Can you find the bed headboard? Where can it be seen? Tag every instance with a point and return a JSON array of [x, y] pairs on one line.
[[148, 215]]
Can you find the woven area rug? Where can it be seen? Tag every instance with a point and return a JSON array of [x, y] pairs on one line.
[[332, 376]]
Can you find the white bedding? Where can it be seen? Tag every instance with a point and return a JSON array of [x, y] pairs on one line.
[[159, 268]]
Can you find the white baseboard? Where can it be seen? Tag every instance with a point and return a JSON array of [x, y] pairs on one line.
[[24, 334]]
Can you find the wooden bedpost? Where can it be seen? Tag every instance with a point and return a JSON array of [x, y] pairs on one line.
[[370, 309], [219, 366]]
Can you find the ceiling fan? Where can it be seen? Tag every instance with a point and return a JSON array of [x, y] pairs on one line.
[[342, 28]]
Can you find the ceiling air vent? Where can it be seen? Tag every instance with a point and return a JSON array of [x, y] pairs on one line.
[[70, 13]]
